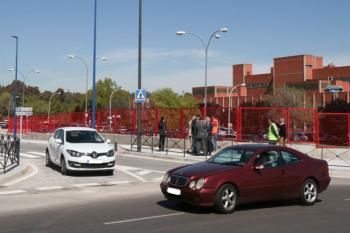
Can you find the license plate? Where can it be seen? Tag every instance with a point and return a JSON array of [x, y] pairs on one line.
[[174, 191]]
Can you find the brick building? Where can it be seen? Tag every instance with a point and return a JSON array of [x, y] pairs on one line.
[[320, 83]]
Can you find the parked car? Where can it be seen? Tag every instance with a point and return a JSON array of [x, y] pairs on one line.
[[80, 149], [300, 136], [248, 173]]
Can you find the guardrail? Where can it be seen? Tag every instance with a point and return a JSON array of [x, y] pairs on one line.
[[9, 152]]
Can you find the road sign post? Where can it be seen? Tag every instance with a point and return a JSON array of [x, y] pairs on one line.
[[23, 111]]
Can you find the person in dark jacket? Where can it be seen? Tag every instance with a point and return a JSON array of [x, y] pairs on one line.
[[194, 134], [201, 136], [210, 136], [282, 132], [162, 133]]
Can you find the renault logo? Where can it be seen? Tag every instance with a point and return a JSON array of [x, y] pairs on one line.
[[94, 154]]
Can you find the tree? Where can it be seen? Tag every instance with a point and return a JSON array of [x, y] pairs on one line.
[[104, 89], [167, 98], [287, 97], [337, 105]]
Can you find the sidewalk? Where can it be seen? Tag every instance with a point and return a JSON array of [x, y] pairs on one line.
[[16, 173]]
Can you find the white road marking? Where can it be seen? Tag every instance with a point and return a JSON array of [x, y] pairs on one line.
[[145, 218], [35, 170], [164, 160], [86, 185], [29, 156], [12, 192], [144, 172], [120, 168], [158, 178], [347, 199], [49, 188], [37, 153], [118, 182], [127, 168]]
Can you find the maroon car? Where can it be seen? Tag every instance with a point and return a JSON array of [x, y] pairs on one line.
[[248, 173]]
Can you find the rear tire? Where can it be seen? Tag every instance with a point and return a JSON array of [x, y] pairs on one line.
[[226, 199], [308, 192], [48, 161], [64, 169]]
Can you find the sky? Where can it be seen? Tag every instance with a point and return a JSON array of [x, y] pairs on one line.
[[49, 30]]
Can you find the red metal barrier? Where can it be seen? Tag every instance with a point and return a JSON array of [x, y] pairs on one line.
[[301, 125], [248, 123], [333, 129], [254, 122]]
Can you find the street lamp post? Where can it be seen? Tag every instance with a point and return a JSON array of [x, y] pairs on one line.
[[48, 112], [230, 104], [206, 49], [94, 72], [110, 108], [24, 81], [15, 91], [139, 75], [72, 56]]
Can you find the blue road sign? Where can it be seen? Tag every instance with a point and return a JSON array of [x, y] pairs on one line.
[[140, 96]]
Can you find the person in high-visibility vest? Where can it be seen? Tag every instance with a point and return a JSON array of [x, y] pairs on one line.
[[272, 133], [214, 131]]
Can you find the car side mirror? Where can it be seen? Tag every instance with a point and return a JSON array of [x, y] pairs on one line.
[[58, 140], [259, 167]]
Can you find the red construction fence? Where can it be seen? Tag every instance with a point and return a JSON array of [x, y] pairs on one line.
[[304, 125]]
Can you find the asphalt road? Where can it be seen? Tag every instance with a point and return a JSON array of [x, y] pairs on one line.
[[138, 206]]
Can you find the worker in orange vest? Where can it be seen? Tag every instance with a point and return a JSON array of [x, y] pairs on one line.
[[214, 131]]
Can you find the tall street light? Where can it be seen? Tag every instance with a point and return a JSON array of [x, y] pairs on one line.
[[72, 56], [94, 72], [48, 112], [15, 90], [24, 80], [139, 74], [230, 104], [206, 49]]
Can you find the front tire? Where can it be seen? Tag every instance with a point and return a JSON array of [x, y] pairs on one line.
[[226, 199], [64, 169], [309, 192], [48, 161]]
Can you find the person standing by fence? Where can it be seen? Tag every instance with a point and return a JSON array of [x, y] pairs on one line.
[[282, 132], [214, 131], [162, 133], [194, 134], [272, 133], [201, 136], [209, 136]]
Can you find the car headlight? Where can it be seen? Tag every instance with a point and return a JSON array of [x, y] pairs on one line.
[[200, 183], [110, 153], [166, 175], [192, 184], [74, 153]]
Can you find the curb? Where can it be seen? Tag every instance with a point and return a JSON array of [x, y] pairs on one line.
[[165, 157], [26, 169]]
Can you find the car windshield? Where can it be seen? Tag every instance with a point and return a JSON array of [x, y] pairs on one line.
[[236, 157], [83, 136]]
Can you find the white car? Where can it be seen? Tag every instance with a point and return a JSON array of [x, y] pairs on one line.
[[80, 149]]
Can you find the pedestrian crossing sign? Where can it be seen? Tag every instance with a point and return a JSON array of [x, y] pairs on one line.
[[140, 96]]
